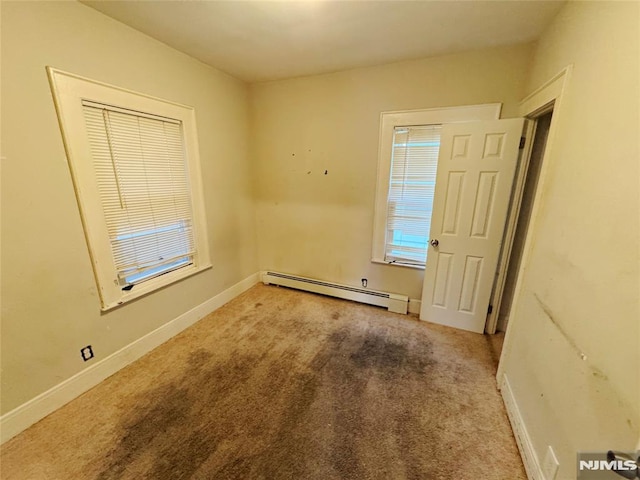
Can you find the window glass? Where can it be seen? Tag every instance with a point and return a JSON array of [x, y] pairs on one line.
[[412, 181], [142, 179], [134, 161]]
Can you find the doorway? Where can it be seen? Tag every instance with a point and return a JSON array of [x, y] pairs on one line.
[[531, 177], [547, 100]]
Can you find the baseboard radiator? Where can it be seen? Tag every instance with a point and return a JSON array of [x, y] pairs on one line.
[[393, 302]]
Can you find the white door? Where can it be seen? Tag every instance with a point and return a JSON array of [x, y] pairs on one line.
[[476, 166]]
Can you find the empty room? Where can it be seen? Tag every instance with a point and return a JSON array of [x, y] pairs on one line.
[[320, 239]]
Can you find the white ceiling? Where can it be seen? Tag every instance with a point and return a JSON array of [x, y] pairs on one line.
[[267, 40]]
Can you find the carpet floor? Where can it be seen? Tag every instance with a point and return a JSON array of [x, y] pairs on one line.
[[280, 384]]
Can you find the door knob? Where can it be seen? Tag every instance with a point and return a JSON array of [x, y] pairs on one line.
[[434, 242]]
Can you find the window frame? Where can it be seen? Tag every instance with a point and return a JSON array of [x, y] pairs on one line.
[[69, 91], [410, 118]]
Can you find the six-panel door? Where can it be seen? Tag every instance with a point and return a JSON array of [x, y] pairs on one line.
[[476, 167]]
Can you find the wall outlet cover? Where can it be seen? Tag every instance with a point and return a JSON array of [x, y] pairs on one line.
[[86, 353]]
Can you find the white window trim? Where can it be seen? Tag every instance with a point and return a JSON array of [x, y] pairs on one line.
[[69, 91], [405, 118]]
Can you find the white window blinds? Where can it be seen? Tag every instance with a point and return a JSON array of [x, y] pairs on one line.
[[143, 184], [411, 188]]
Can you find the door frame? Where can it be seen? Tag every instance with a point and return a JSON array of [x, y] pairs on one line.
[[524, 158], [550, 94]]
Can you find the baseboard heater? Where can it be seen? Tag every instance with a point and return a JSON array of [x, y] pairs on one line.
[[393, 302]]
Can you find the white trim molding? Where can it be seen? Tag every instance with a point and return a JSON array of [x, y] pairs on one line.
[[414, 305], [527, 452], [22, 417], [549, 92]]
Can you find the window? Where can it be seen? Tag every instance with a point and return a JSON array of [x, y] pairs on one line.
[[407, 166], [135, 169], [412, 182], [142, 181]]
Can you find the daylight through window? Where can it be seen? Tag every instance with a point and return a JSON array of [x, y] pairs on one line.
[[406, 180], [412, 181], [144, 191], [134, 160]]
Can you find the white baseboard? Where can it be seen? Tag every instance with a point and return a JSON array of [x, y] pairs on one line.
[[22, 417], [414, 305], [529, 458]]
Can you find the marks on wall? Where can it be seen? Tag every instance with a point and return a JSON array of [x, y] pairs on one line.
[[600, 388], [550, 315], [595, 371], [310, 162]]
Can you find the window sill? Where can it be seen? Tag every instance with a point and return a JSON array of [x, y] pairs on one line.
[[156, 284], [405, 265]]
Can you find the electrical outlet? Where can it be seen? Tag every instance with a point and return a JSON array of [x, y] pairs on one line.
[[87, 353], [550, 464], [364, 282]]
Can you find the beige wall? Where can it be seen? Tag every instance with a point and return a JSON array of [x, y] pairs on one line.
[[580, 289], [582, 271], [50, 306], [320, 225]]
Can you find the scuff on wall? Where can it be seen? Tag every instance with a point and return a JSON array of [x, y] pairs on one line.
[[547, 311], [595, 371]]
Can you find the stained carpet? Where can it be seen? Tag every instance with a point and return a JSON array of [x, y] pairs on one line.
[[280, 384]]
